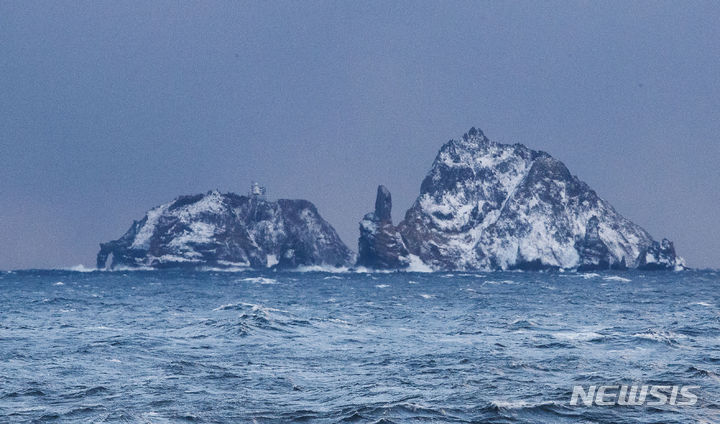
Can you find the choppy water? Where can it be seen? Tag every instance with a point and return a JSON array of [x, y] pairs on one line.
[[319, 347]]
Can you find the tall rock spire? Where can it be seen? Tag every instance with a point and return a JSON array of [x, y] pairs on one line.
[[380, 245], [383, 205]]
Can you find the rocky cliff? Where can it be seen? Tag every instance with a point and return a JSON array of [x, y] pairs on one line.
[[227, 230], [491, 206], [380, 245]]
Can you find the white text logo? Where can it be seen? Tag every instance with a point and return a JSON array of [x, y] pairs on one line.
[[634, 395]]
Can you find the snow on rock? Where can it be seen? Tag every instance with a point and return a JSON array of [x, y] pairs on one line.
[[226, 230], [487, 205]]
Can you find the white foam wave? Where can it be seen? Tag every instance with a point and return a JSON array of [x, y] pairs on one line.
[[660, 336], [253, 307], [417, 265], [518, 404], [81, 268], [323, 268], [581, 336], [616, 278], [226, 306], [225, 269], [259, 280], [493, 282], [338, 321]]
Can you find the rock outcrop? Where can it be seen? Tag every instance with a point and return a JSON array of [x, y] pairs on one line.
[[493, 206], [227, 230], [594, 253], [380, 245], [659, 256]]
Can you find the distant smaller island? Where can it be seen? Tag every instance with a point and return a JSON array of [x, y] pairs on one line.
[[483, 206], [228, 230]]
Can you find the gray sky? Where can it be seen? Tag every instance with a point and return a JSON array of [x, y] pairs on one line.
[[110, 108]]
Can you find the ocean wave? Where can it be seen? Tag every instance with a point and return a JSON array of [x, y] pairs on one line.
[[697, 372], [324, 268], [28, 392], [402, 411], [85, 269], [336, 321], [494, 282], [316, 348], [248, 306], [259, 280], [86, 392], [81, 268], [581, 336], [250, 318], [660, 336], [617, 278], [521, 324], [520, 404], [228, 269]]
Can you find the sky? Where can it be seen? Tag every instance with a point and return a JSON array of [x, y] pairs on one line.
[[110, 108]]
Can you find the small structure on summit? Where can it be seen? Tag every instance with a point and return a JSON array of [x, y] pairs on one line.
[[257, 191]]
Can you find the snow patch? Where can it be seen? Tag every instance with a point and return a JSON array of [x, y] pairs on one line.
[[142, 238], [271, 260]]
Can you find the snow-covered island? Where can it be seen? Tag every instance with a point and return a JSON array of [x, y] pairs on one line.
[[482, 206], [225, 230], [493, 206]]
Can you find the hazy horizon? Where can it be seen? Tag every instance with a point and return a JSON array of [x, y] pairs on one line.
[[110, 109]]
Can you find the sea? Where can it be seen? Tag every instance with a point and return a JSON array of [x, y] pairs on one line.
[[352, 347]]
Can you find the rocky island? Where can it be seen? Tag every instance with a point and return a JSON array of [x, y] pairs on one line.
[[492, 206], [483, 206], [227, 230]]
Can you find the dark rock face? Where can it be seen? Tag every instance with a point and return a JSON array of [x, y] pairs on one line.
[[227, 230], [490, 206], [594, 253], [383, 205], [659, 256], [380, 245]]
